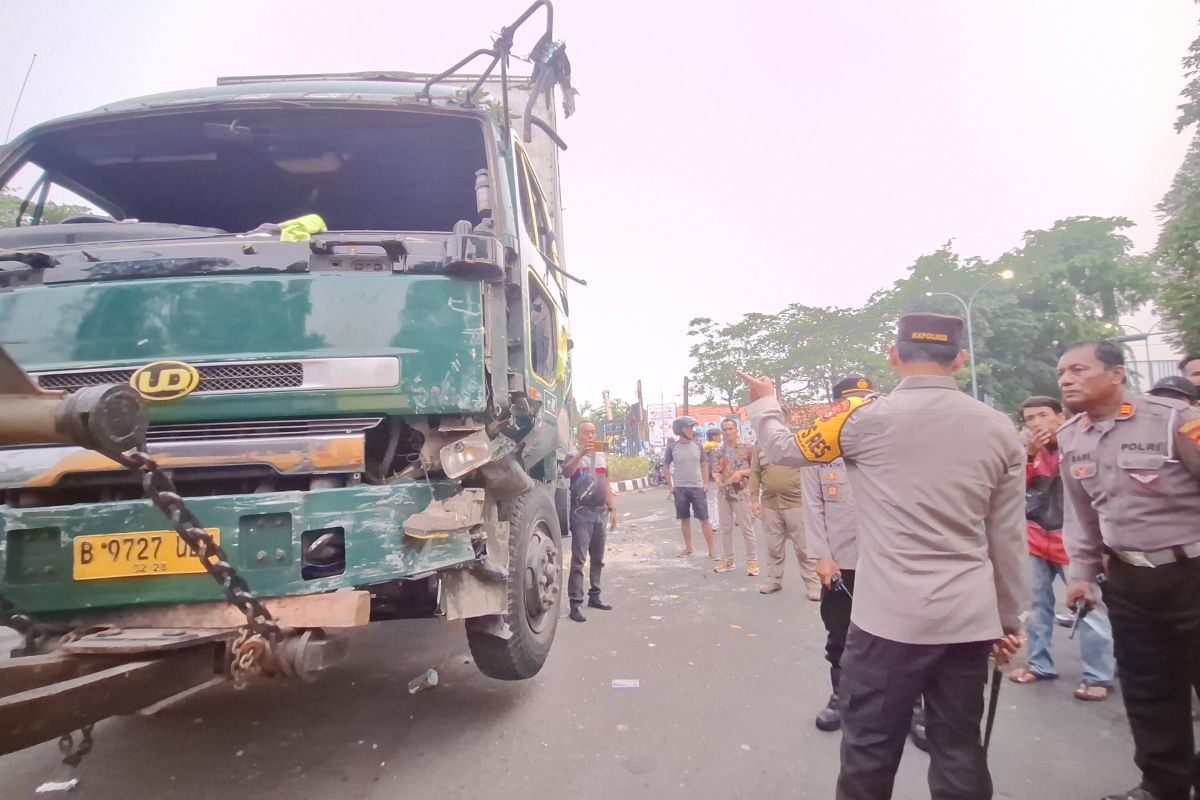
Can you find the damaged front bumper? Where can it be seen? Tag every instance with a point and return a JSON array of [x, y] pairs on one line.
[[265, 536]]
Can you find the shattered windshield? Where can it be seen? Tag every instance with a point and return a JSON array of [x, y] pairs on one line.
[[234, 170]]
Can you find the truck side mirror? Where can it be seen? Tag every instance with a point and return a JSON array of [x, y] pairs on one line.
[[471, 252]]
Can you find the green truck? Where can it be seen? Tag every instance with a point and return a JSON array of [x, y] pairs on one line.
[[342, 301]]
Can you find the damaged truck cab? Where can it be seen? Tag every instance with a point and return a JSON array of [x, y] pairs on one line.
[[367, 419]]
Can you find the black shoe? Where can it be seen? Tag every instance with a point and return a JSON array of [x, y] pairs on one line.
[[596, 602], [829, 718], [917, 730], [577, 613], [1136, 793]]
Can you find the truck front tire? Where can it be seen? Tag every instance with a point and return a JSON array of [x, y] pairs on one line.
[[534, 589]]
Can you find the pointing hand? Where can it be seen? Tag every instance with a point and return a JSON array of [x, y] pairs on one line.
[[759, 387]]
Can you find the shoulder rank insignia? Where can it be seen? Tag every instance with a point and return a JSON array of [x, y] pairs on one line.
[[1191, 430], [821, 441]]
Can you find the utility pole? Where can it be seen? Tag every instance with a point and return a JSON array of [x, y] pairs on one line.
[[685, 395], [643, 428]]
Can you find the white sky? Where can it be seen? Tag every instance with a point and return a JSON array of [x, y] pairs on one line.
[[725, 158]]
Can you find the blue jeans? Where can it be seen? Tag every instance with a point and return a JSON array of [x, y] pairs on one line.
[[1095, 632]]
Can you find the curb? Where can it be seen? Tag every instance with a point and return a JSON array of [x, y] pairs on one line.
[[631, 485]]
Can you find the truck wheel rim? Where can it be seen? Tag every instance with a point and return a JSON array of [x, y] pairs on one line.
[[541, 578]]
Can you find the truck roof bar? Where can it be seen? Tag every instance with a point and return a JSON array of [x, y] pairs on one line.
[[550, 66]]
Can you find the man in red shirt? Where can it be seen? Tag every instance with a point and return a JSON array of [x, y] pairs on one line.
[[1044, 519]]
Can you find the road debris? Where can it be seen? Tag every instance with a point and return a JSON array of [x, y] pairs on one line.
[[626, 683], [426, 680], [57, 786]]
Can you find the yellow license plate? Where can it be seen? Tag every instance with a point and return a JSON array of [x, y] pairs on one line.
[[135, 555]]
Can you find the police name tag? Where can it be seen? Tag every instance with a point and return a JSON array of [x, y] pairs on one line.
[[821, 441]]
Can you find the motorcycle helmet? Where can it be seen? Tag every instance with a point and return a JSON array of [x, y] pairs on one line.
[[682, 422]]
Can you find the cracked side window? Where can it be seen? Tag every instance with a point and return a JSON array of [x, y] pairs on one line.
[[31, 197]]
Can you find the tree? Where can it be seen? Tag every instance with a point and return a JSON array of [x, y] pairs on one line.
[[10, 205], [805, 350], [1071, 279], [717, 355], [1175, 256]]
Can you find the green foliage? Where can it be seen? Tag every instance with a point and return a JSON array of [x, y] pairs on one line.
[[623, 468], [1072, 279], [805, 350], [1175, 256], [10, 205], [1189, 110], [596, 414]]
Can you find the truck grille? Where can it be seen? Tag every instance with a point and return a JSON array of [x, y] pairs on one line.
[[262, 429], [248, 376]]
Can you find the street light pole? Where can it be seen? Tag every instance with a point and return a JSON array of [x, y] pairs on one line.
[[967, 306]]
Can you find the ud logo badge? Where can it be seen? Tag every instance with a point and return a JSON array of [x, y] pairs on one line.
[[165, 380]]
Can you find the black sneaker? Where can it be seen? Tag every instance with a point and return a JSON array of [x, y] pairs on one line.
[[577, 613], [596, 602], [829, 719]]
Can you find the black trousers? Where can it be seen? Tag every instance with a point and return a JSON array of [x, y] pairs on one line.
[[835, 614], [589, 535], [1155, 615], [881, 680]]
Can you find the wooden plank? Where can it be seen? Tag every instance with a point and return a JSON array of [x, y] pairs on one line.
[[34, 716], [330, 610]]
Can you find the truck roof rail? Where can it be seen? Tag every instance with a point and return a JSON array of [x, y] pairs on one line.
[[550, 67], [381, 75]]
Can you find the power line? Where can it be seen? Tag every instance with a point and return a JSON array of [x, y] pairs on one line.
[[20, 94]]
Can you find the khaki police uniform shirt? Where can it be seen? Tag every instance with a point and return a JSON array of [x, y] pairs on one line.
[[939, 482], [830, 524], [780, 486], [1127, 481]]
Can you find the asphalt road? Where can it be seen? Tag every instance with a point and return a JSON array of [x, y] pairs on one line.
[[729, 682]]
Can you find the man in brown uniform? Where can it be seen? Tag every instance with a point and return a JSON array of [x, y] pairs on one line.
[[777, 499], [939, 483], [1131, 474]]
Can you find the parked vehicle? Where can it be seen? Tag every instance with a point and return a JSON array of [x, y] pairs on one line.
[[363, 410]]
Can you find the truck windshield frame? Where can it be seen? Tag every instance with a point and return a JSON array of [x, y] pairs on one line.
[[234, 168]]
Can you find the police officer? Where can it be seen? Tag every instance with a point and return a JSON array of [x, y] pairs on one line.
[[1178, 387], [832, 528], [939, 482], [1131, 474]]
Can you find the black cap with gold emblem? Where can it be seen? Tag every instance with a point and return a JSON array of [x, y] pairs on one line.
[[922, 328], [854, 386]]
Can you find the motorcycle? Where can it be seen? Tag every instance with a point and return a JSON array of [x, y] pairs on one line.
[[655, 475]]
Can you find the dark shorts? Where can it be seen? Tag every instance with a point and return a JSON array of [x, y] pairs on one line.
[[690, 502]]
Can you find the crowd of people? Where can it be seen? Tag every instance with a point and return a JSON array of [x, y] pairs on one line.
[[932, 532]]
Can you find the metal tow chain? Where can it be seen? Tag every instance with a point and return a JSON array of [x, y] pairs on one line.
[[249, 651], [72, 755], [162, 492]]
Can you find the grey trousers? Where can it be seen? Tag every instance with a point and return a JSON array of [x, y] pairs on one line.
[[881, 680], [589, 535]]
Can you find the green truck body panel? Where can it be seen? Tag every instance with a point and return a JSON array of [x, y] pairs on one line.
[[433, 324], [37, 556]]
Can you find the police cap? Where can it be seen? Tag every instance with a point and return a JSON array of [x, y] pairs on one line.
[[1176, 386], [922, 328], [854, 386]]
